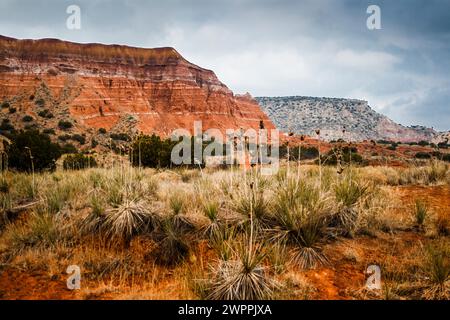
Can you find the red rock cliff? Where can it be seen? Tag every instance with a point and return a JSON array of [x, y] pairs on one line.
[[101, 85]]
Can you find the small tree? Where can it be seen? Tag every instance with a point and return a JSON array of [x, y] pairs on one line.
[[78, 162], [32, 148]]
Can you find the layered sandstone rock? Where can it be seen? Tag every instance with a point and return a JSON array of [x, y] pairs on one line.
[[105, 86]]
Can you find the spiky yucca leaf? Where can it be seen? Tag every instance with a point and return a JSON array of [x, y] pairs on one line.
[[172, 246], [128, 219], [437, 269], [243, 278]]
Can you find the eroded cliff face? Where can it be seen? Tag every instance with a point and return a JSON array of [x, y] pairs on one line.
[[114, 87]]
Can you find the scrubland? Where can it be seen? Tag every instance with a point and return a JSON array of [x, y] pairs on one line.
[[307, 232]]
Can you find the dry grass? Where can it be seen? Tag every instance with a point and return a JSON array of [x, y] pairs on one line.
[[137, 232]]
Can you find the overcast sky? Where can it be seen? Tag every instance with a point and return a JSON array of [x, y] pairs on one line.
[[278, 48]]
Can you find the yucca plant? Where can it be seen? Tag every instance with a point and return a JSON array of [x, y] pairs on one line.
[[222, 241], [176, 203], [253, 202], [180, 221], [308, 254], [420, 213], [278, 256], [437, 269], [242, 278], [211, 211], [95, 220], [172, 245], [300, 222], [348, 193], [128, 219]]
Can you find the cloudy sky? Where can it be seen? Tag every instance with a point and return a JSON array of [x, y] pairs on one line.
[[278, 47]]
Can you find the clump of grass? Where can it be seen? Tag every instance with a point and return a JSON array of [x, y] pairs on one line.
[[4, 186], [56, 198], [243, 278], [437, 269], [433, 173], [420, 213], [188, 175], [278, 257], [115, 195], [441, 224], [176, 203], [41, 230], [436, 172]]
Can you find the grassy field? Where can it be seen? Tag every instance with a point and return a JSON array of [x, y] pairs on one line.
[[305, 233]]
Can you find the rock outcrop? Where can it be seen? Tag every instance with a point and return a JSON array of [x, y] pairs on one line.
[[304, 115], [115, 87]]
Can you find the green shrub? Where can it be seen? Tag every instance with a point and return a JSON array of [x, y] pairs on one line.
[[40, 102], [421, 212], [27, 118], [79, 138], [346, 155], [6, 125], [79, 161], [44, 153], [65, 125], [49, 131], [68, 148], [306, 153], [45, 114], [64, 137], [120, 136], [152, 151], [423, 155], [102, 130]]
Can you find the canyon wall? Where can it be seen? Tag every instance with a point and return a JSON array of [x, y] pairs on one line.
[[116, 88]]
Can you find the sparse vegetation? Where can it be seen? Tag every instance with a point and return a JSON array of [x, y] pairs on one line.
[[226, 234]]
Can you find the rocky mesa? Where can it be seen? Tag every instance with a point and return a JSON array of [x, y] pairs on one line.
[[304, 115], [118, 88]]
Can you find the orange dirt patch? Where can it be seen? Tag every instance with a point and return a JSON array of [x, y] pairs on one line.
[[20, 285]]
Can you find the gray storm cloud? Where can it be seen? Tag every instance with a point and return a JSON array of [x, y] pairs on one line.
[[276, 48]]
